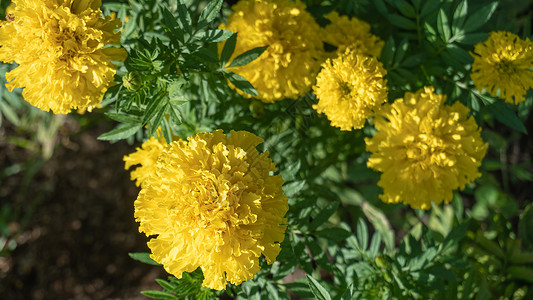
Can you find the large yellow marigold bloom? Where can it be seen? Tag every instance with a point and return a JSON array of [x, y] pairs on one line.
[[213, 203], [349, 89], [288, 67], [504, 62], [145, 156], [59, 47], [351, 33], [425, 149]]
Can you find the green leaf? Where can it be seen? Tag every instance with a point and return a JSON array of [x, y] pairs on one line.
[[184, 18], [522, 273], [144, 258], [400, 51], [388, 51], [362, 234], [318, 290], [247, 57], [159, 295], [210, 12], [300, 289], [228, 49], [214, 35], [401, 22], [122, 131], [525, 226], [165, 284], [172, 26], [442, 26], [459, 16], [240, 82], [457, 234], [323, 216], [334, 234], [428, 7], [292, 188], [123, 118], [405, 8], [380, 6], [507, 116], [480, 17], [152, 108], [472, 38], [460, 54]]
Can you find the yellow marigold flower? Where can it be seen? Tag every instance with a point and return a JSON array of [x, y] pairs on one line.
[[146, 157], [349, 88], [504, 63], [424, 149], [213, 203], [288, 67], [351, 33], [59, 47]]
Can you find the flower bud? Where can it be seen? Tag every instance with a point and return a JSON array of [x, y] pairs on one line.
[[131, 81]]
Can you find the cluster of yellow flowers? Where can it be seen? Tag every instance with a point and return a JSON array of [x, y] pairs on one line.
[[212, 202]]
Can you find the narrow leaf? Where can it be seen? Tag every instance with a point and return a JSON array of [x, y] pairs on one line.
[[214, 35], [459, 16], [247, 57], [210, 12], [228, 49], [480, 17], [507, 116], [123, 131], [318, 290], [323, 216], [442, 26], [144, 258], [159, 295], [240, 82]]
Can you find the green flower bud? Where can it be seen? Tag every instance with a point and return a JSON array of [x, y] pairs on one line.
[[257, 108], [131, 81]]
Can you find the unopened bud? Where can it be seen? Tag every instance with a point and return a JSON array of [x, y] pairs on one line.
[[257, 108], [131, 81]]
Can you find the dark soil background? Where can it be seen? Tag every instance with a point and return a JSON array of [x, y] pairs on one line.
[[72, 221]]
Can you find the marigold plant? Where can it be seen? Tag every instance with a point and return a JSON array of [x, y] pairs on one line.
[[212, 203], [288, 66], [349, 89], [425, 149], [504, 63], [60, 49]]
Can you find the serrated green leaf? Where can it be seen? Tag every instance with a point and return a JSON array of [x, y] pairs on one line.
[[247, 57], [172, 27], [443, 27], [460, 54], [214, 35], [210, 12], [240, 82], [184, 18], [165, 284], [459, 16], [227, 50], [480, 17], [159, 295], [152, 108], [144, 258], [317, 289], [457, 234], [507, 116], [121, 132], [324, 215]]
